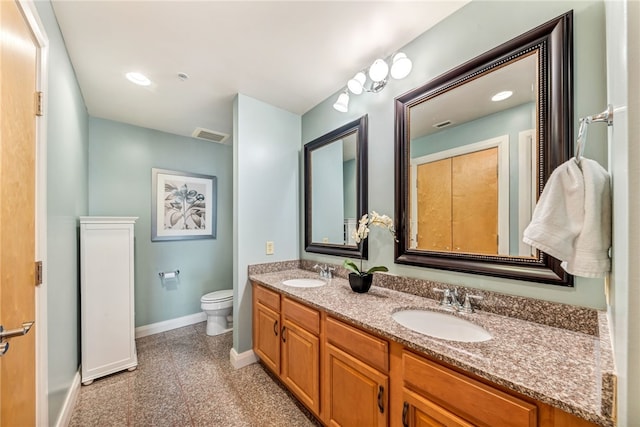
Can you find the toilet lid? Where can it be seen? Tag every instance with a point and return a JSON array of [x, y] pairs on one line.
[[218, 296]]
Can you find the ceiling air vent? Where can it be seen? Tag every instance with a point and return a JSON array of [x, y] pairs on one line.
[[442, 124], [209, 135]]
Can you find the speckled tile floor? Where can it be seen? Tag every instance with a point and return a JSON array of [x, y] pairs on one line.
[[185, 378]]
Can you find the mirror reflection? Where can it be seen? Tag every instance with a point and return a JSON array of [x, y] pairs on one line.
[[335, 189], [333, 178], [473, 164], [474, 148]]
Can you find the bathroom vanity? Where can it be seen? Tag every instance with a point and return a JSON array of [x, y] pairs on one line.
[[344, 357]]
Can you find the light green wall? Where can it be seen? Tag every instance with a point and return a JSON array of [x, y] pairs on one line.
[[120, 160], [510, 122], [266, 148], [471, 31], [350, 183], [67, 150], [327, 199]]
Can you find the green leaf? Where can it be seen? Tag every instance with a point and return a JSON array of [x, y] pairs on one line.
[[377, 268], [350, 265]]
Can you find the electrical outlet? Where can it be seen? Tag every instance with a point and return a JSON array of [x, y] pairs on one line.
[[269, 248], [325, 240]]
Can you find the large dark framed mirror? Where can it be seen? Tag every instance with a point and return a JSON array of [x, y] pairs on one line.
[[335, 183], [470, 169]]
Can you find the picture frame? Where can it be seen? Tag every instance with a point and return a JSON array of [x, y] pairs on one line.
[[184, 205]]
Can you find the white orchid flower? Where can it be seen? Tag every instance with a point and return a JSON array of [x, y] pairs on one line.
[[362, 232]]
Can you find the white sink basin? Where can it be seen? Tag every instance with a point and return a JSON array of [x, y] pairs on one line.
[[441, 325], [304, 283]]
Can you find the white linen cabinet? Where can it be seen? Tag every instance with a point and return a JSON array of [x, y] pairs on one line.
[[106, 296]]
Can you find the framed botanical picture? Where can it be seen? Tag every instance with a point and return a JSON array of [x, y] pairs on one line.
[[184, 205]]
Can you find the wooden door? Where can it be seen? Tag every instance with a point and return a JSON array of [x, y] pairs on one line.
[[266, 338], [434, 205], [358, 395], [475, 202], [418, 411], [300, 368], [18, 55]]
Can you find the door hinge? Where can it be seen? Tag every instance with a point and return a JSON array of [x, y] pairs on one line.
[[39, 103], [38, 273]]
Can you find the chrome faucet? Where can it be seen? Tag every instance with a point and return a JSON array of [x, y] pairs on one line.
[[467, 307], [325, 271], [451, 300]]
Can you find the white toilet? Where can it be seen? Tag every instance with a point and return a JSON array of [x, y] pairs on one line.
[[218, 306]]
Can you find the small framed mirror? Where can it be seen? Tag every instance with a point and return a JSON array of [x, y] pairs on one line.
[[335, 182], [474, 148]]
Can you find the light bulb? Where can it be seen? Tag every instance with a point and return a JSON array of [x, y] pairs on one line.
[[342, 104], [378, 70], [401, 66], [356, 84]]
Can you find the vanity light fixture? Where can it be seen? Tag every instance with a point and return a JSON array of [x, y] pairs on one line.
[[501, 96], [401, 66], [378, 74], [342, 104], [138, 78]]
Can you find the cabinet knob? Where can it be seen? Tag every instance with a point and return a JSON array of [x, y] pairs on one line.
[[284, 339], [275, 328]]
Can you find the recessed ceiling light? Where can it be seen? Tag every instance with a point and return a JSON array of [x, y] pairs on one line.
[[501, 96], [138, 78]]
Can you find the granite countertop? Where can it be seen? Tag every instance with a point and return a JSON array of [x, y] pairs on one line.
[[568, 370]]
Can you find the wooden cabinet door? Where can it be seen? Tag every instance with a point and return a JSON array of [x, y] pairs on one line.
[[355, 394], [418, 411], [266, 338], [300, 369]]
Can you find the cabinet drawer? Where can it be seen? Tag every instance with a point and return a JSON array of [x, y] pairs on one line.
[[267, 297], [369, 349], [474, 401], [306, 317]]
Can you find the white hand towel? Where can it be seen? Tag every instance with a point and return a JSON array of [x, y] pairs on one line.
[[559, 214], [590, 257], [572, 220]]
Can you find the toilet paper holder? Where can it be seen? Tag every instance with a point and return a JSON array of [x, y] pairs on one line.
[[169, 274]]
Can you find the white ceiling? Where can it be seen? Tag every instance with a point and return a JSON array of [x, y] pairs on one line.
[[519, 76], [291, 54]]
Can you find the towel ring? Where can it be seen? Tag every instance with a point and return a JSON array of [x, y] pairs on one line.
[[605, 116]]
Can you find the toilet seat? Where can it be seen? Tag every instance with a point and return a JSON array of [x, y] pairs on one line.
[[218, 296]]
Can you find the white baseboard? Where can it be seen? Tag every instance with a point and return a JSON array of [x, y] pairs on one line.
[[243, 359], [167, 325], [64, 418]]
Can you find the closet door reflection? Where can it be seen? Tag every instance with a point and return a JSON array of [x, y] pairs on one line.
[[465, 190]]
